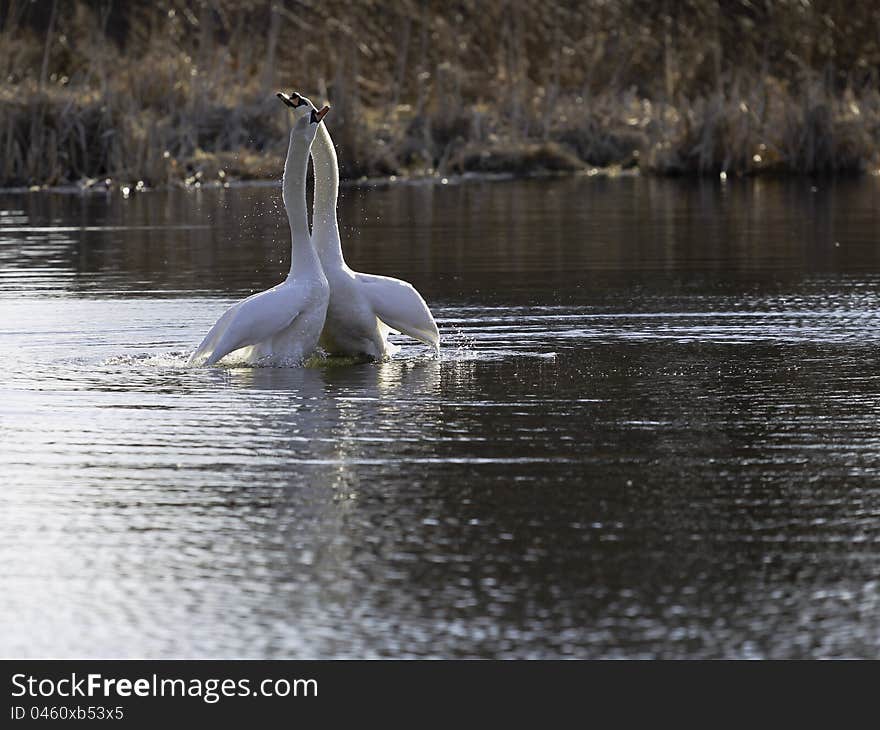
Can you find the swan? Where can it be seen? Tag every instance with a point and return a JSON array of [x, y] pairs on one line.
[[283, 324], [363, 308]]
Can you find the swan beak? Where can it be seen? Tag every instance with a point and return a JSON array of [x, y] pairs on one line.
[[293, 101], [322, 112]]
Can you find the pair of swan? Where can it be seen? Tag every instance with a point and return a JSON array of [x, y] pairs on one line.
[[322, 301]]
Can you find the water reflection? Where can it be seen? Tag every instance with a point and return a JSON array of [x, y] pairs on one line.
[[527, 243], [651, 431]]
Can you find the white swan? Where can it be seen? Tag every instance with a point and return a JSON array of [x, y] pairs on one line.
[[363, 308], [280, 326]]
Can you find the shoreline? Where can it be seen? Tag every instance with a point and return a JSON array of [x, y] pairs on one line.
[[128, 189]]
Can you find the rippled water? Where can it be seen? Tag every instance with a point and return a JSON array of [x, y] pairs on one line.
[[652, 430]]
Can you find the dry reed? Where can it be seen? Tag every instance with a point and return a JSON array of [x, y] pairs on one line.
[[182, 90]]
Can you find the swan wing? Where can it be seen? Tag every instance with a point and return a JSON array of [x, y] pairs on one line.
[[399, 306], [248, 322], [204, 350]]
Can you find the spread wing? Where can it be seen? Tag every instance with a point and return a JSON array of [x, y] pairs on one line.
[[248, 322], [401, 307]]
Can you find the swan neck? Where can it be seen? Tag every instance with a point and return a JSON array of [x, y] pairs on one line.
[[303, 259], [324, 222]]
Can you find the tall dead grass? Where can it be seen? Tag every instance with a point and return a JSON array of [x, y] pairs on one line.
[[182, 90]]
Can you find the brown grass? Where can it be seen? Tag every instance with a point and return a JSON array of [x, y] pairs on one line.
[[182, 90]]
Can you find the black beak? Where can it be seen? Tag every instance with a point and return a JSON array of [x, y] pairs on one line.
[[317, 116], [293, 101]]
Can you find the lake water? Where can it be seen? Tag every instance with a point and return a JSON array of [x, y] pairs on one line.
[[652, 430]]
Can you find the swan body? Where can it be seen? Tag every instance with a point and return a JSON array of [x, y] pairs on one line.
[[363, 308], [280, 326]]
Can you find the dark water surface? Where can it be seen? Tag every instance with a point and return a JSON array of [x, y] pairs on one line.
[[652, 430]]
